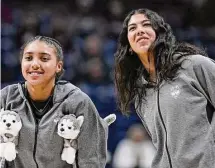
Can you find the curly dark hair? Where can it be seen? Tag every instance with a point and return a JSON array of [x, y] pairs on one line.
[[129, 70]]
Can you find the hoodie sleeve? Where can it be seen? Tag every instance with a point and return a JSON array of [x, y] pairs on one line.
[[204, 70], [92, 140], [3, 103], [3, 96]]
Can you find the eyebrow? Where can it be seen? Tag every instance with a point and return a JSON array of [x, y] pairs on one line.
[[41, 53], [143, 21]]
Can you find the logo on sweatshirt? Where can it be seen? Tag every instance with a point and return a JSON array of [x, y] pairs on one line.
[[175, 91]]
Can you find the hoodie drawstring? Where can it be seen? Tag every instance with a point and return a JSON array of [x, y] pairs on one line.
[[159, 111]]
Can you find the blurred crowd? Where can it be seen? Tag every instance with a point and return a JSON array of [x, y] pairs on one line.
[[88, 31]]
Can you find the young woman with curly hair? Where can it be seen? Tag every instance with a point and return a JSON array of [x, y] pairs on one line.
[[172, 86]]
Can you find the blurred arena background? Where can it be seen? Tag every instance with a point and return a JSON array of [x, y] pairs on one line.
[[88, 31]]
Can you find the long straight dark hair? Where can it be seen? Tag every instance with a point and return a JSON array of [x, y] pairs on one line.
[[129, 70]]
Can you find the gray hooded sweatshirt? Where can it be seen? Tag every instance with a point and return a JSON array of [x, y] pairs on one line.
[[39, 145], [180, 119]]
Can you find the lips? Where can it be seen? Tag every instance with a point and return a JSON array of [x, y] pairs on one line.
[[35, 74], [141, 38], [8, 135]]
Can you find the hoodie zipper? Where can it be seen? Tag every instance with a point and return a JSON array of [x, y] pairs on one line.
[[36, 132], [159, 111], [35, 141], [23, 93]]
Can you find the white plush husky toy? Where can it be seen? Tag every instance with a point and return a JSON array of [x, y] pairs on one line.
[[10, 125], [69, 127]]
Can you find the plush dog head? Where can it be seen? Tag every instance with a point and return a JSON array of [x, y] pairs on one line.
[[10, 123], [69, 126]]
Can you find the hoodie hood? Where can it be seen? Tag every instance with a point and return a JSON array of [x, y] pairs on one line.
[[62, 92]]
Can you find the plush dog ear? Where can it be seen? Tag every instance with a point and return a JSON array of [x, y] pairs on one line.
[[2, 110], [1, 113], [80, 120], [72, 115], [18, 117]]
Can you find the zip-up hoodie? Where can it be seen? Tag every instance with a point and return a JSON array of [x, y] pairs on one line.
[[39, 145], [180, 118]]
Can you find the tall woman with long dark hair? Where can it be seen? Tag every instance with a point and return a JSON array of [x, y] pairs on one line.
[[172, 86]]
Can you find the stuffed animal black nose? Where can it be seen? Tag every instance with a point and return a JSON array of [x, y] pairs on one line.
[[8, 124], [61, 129]]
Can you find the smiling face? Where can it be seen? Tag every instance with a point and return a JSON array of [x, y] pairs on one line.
[[140, 34], [39, 63]]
